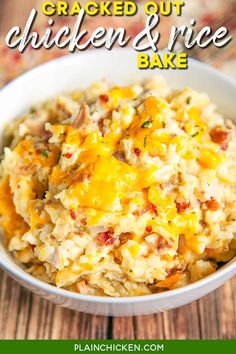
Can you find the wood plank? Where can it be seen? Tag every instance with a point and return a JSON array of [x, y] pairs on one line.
[[24, 315]]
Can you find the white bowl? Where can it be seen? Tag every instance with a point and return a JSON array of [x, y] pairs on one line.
[[118, 66]]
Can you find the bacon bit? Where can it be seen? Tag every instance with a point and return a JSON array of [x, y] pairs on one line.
[[151, 207], [162, 243], [117, 260], [181, 244], [82, 117], [104, 98], [212, 204], [181, 207], [178, 268], [83, 221], [220, 136], [101, 126], [209, 252], [32, 247], [203, 223], [124, 237], [72, 215], [137, 151], [68, 155], [82, 177], [106, 238], [149, 229], [126, 201], [138, 212]]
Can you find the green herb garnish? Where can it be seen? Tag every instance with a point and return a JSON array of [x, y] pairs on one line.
[[44, 153], [163, 124], [146, 124], [145, 141], [195, 134]]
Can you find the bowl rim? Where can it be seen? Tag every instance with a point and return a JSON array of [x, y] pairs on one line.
[[17, 272]]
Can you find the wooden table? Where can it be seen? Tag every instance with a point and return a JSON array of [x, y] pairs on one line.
[[24, 315]]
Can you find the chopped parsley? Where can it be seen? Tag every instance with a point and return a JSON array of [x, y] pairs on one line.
[[44, 153], [146, 124], [188, 100], [163, 124], [145, 141], [195, 134]]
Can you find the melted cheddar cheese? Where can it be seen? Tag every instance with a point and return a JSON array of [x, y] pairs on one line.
[[126, 191]]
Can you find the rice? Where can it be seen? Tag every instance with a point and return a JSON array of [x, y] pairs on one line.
[[120, 191]]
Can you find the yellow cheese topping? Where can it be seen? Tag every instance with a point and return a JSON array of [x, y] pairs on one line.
[[11, 222], [109, 182], [126, 190]]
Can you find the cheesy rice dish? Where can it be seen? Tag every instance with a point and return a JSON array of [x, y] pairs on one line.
[[120, 191]]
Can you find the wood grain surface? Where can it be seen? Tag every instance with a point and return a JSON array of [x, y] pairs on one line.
[[24, 315]]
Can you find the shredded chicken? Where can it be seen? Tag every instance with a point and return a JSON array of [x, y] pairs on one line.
[[83, 117]]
